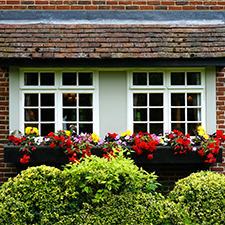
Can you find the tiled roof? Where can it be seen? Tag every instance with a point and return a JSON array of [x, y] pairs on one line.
[[111, 41]]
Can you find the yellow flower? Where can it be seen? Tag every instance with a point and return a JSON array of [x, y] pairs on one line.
[[67, 132], [95, 137], [128, 133], [206, 136], [34, 130], [200, 128], [28, 130], [201, 133]]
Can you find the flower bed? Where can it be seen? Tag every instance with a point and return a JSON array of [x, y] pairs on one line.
[[65, 146]]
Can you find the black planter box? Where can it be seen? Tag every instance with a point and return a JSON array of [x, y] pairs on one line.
[[57, 157]]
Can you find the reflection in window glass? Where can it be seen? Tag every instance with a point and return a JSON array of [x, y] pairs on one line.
[[140, 127], [178, 78], [140, 114], [85, 115], [194, 114], [69, 99], [193, 99], [47, 99], [177, 99], [178, 114], [156, 114], [85, 100], [178, 126], [155, 78], [84, 127], [140, 99], [31, 79], [69, 78], [47, 79], [85, 79], [156, 128], [47, 115], [156, 99], [139, 78], [31, 100], [31, 115], [193, 78]]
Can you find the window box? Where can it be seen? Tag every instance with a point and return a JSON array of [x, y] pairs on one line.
[[56, 156]]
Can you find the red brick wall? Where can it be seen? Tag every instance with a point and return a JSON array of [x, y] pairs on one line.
[[111, 5], [6, 170]]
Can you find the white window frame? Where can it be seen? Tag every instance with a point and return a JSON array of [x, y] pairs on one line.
[[167, 89], [58, 89]]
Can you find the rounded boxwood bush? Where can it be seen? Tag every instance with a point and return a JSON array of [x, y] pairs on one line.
[[202, 196], [37, 196]]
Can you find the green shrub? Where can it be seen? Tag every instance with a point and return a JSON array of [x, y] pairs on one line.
[[132, 208], [202, 196], [37, 196], [96, 178]]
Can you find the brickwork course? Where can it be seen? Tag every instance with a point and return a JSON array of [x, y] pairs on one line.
[[111, 5]]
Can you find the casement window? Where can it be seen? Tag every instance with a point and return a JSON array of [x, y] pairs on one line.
[[164, 100], [53, 100]]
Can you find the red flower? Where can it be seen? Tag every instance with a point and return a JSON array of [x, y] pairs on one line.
[[52, 145], [112, 135], [150, 156], [25, 159]]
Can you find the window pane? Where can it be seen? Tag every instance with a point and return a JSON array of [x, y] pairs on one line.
[[140, 99], [177, 78], [31, 79], [156, 128], [140, 127], [47, 128], [140, 115], [47, 115], [86, 128], [69, 114], [47, 79], [156, 114], [69, 99], [178, 114], [156, 99], [85, 100], [85, 115], [69, 78], [47, 99], [177, 99], [194, 114], [178, 126], [155, 78], [31, 115], [193, 78], [66, 126], [192, 128], [139, 78], [31, 100], [85, 79], [193, 99]]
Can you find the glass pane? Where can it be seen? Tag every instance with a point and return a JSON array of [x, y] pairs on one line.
[[66, 126], [31, 79], [69, 78], [31, 115], [178, 114], [140, 99], [85, 79], [69, 99], [178, 126], [156, 99], [193, 78], [193, 114], [48, 79], [156, 128], [193, 99], [192, 128], [177, 78], [139, 78], [140, 115], [86, 128], [85, 115], [69, 114], [31, 100], [156, 114], [177, 99], [47, 115], [47, 128], [47, 99], [85, 100], [140, 127], [155, 78]]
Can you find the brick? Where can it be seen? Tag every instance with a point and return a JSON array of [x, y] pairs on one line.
[[77, 7], [153, 2], [216, 7], [161, 7], [13, 2], [112, 3], [146, 7], [62, 7], [167, 3], [52, 7], [132, 7], [41, 2], [174, 8], [195, 2], [209, 3], [104, 7], [202, 7], [91, 7], [117, 7], [217, 169], [125, 2], [139, 2], [181, 3], [56, 2], [188, 7], [84, 2], [99, 2], [221, 2]]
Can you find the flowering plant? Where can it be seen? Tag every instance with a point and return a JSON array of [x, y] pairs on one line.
[[78, 146]]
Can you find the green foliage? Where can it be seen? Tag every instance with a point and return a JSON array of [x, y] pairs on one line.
[[132, 208], [96, 178], [202, 196], [37, 196]]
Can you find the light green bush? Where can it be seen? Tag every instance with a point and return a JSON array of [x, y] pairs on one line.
[[202, 196], [96, 178], [37, 196]]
